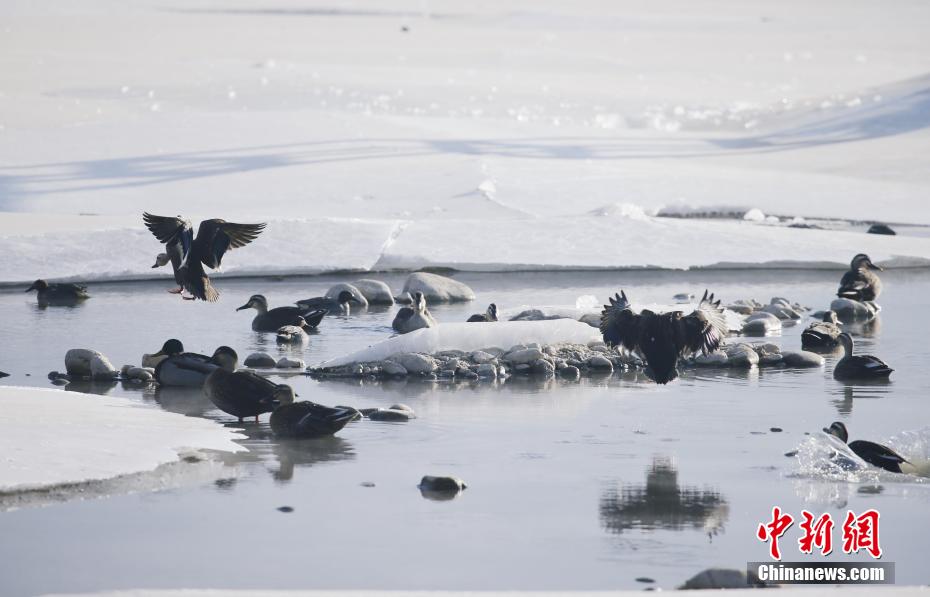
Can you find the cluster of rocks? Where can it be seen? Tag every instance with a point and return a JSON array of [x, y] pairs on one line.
[[263, 360], [569, 361], [744, 356], [764, 319], [88, 364], [435, 288], [851, 311]]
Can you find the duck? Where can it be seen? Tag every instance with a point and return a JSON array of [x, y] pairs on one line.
[[822, 334], [307, 419], [188, 255], [274, 319], [861, 283], [163, 259], [291, 334], [58, 294], [660, 339], [188, 369], [3, 374], [244, 393], [340, 304], [489, 315], [862, 366], [875, 454], [415, 317]]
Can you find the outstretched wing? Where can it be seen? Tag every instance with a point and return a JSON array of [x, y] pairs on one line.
[[619, 325], [215, 237], [703, 329]]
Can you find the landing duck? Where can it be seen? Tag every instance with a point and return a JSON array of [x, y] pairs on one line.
[[860, 283], [414, 317], [822, 335], [875, 454], [188, 369], [306, 419], [244, 393], [163, 259], [487, 316], [271, 320], [58, 294], [660, 339], [340, 304], [861, 366], [188, 255]]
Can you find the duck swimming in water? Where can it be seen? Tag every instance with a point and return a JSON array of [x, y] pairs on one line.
[[860, 283], [244, 393], [660, 339], [414, 317], [822, 334], [58, 294], [340, 304], [489, 315], [860, 366], [188, 255], [274, 319], [875, 454], [307, 419], [188, 369]]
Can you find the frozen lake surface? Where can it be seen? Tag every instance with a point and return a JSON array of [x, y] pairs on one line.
[[572, 485]]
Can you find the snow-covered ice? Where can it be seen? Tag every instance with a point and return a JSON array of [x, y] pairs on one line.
[[474, 336], [54, 437], [492, 136]]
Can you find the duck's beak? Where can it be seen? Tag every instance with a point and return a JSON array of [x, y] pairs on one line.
[[160, 353], [245, 306], [31, 288], [156, 265], [873, 266]]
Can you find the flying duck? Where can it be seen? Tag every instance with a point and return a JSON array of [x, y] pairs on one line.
[[190, 369], [274, 319], [307, 419], [188, 255], [822, 334], [860, 366], [860, 283], [661, 338], [875, 454], [341, 304], [244, 393], [413, 317], [489, 315], [58, 294]]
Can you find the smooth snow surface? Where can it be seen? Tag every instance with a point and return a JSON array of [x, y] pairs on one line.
[[474, 336], [54, 437], [494, 135]]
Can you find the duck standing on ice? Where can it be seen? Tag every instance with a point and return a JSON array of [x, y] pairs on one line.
[[661, 338], [861, 283], [188, 255]]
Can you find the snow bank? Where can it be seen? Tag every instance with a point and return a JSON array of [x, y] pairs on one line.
[[474, 336], [53, 437]]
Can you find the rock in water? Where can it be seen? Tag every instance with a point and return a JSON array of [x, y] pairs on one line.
[[522, 356], [742, 356], [438, 289], [881, 229], [441, 488], [415, 362], [391, 414], [722, 578], [261, 360], [289, 363], [848, 310], [333, 293], [718, 358], [375, 292], [761, 324], [802, 358], [392, 369], [87, 363]]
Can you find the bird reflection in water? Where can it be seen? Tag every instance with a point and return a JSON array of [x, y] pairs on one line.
[[663, 504], [308, 452]]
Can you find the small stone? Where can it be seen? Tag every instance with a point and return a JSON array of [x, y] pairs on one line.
[[391, 415], [367, 484], [285, 509], [761, 324], [415, 363], [599, 361], [742, 356], [645, 579], [791, 454], [543, 367], [848, 310], [776, 429], [260, 360], [481, 357], [487, 370], [722, 578], [441, 488], [87, 363], [570, 372], [718, 358], [880, 229], [139, 374], [289, 363], [523, 356]]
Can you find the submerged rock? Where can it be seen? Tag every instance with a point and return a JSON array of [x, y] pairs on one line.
[[742, 356], [375, 292], [438, 289], [441, 488], [261, 360], [718, 358], [848, 310], [802, 358], [393, 369], [722, 578], [522, 356], [87, 363], [415, 362], [880, 229], [142, 374], [289, 363], [392, 415], [761, 323]]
